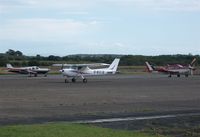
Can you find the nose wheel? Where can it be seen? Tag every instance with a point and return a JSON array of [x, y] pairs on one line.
[[66, 81], [84, 80]]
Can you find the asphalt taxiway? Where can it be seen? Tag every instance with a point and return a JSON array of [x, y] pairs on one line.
[[45, 99]]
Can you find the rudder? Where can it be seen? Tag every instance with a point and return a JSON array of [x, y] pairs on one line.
[[149, 67], [114, 65], [9, 66]]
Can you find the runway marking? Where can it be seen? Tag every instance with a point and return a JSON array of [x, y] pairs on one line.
[[134, 118]]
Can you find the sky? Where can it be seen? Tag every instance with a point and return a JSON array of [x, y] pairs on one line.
[[64, 27]]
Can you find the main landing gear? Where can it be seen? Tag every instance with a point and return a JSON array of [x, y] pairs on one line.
[[73, 80], [34, 74], [84, 79], [170, 75], [178, 75]]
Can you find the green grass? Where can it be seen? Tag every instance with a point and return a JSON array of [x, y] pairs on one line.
[[65, 130]]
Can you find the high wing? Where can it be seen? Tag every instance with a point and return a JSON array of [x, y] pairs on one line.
[[81, 65], [173, 71]]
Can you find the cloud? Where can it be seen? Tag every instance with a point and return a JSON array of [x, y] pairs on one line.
[[172, 5], [44, 29], [46, 3], [13, 6], [81, 6], [106, 47], [75, 13]]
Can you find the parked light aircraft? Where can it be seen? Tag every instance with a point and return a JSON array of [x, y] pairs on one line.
[[28, 70], [176, 69], [75, 71]]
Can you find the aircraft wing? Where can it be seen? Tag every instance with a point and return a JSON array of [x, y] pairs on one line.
[[21, 70], [180, 71], [81, 65], [173, 71], [26, 71], [32, 72]]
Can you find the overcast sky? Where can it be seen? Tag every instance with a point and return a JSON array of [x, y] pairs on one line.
[[63, 27]]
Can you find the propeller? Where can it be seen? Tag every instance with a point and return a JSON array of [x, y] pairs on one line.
[[62, 66]]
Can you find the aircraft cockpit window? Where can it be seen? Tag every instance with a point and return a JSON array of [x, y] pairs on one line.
[[79, 68], [74, 67]]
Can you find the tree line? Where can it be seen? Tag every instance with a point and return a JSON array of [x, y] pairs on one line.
[[17, 58]]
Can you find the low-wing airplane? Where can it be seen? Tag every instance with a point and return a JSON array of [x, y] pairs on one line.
[[176, 69], [28, 70], [75, 71]]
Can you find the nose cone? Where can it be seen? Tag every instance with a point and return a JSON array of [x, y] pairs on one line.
[[62, 71]]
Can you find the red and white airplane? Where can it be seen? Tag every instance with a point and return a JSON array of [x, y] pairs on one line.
[[28, 70], [176, 69]]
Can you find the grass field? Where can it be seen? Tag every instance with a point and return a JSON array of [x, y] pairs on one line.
[[65, 130]]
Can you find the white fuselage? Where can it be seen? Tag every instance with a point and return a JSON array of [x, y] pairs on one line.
[[87, 72]]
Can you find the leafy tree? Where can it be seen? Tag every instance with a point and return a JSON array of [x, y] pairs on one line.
[[54, 58], [18, 53], [3, 60], [10, 52], [33, 63]]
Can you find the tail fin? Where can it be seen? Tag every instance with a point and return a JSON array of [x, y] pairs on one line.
[[114, 65], [193, 61], [149, 67], [9, 66], [191, 66]]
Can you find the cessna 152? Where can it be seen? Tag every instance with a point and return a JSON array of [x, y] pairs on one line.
[[176, 69], [75, 71], [28, 70]]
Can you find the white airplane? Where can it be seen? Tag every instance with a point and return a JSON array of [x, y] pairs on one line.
[[75, 71], [28, 70]]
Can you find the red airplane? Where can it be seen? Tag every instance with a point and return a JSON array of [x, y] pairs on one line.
[[175, 69]]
